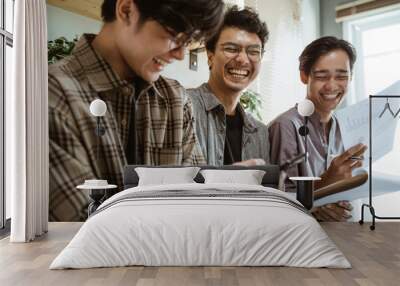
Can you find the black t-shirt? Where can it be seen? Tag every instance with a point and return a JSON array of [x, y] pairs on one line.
[[233, 139]]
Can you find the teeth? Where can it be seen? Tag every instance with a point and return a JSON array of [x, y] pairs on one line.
[[330, 96], [238, 72], [237, 76], [160, 61]]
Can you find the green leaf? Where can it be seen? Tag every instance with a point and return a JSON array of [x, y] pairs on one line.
[[59, 48], [251, 102]]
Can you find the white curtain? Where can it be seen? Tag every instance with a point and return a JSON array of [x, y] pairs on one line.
[[26, 117], [292, 25], [239, 3]]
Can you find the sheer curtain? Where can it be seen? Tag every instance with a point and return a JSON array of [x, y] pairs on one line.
[[239, 3], [26, 117], [292, 25]]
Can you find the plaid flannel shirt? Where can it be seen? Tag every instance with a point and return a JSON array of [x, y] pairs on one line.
[[164, 127]]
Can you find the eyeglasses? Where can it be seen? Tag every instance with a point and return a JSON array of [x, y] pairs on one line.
[[254, 53], [182, 39]]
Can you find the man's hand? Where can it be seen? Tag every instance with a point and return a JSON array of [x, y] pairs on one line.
[[251, 162], [342, 166], [339, 211]]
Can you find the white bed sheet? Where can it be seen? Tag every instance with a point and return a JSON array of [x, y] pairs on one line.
[[200, 232]]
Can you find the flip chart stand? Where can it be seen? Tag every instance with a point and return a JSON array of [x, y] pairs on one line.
[[370, 204]]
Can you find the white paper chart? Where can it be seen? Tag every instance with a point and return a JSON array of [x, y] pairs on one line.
[[354, 124]]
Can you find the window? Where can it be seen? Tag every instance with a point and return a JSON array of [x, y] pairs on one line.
[[9, 13], [378, 47], [376, 39], [6, 44]]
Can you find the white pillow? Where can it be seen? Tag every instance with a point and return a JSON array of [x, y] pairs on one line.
[[248, 177], [164, 176]]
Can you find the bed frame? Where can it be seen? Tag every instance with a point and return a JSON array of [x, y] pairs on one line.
[[270, 179]]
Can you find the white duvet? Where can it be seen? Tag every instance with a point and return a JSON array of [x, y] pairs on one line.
[[206, 230]]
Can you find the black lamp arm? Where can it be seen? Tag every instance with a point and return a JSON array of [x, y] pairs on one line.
[[287, 165], [100, 131]]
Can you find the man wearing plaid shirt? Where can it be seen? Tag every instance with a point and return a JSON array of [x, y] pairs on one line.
[[149, 118]]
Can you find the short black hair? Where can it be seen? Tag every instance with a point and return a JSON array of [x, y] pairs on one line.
[[246, 19], [199, 18], [323, 46]]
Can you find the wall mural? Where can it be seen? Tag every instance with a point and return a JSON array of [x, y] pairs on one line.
[[115, 101]]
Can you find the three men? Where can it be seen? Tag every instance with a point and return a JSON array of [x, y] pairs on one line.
[[149, 119], [326, 67], [227, 134]]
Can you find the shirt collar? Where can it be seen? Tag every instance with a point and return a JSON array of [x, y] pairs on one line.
[[100, 74], [316, 118], [248, 124], [211, 102]]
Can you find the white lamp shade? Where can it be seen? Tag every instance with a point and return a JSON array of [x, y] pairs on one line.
[[98, 107], [306, 108]]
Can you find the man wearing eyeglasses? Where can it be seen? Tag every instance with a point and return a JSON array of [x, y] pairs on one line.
[[326, 67], [149, 118], [227, 134]]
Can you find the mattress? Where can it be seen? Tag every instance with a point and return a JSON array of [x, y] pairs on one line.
[[201, 225]]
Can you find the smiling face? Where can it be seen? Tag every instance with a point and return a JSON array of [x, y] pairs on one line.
[[230, 71], [328, 80], [145, 48]]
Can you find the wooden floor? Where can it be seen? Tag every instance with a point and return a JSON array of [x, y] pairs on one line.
[[374, 255]]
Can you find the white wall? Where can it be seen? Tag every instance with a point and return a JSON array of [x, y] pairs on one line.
[[292, 24], [188, 78], [61, 23]]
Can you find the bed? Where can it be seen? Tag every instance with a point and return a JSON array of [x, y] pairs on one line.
[[201, 224]]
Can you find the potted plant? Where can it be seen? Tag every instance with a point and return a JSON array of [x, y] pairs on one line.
[[251, 102], [59, 48]]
